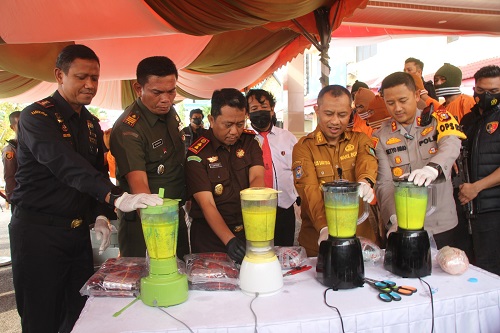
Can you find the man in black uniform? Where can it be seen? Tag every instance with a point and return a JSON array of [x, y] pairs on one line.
[[195, 128], [149, 151], [62, 188], [219, 165]]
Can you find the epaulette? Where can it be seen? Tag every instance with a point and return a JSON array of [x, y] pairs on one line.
[[199, 144], [249, 131], [132, 118], [46, 103]]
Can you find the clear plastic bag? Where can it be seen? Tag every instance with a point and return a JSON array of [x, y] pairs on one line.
[[371, 252], [452, 260], [117, 277], [211, 271], [290, 256]]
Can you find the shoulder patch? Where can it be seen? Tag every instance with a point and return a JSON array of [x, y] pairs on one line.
[[45, 103], [447, 125], [199, 144], [248, 131], [131, 119], [9, 155], [42, 113]]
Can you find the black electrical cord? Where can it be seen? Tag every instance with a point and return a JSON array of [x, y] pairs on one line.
[[180, 321], [432, 302], [333, 307], [253, 312]]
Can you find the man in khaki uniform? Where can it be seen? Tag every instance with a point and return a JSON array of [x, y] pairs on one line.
[[327, 154]]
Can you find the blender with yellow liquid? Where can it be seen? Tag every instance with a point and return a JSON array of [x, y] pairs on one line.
[[260, 270], [164, 286], [408, 251], [340, 258]]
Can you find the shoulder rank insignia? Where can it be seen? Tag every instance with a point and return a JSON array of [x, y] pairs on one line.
[[319, 137], [249, 131], [199, 144], [394, 127], [45, 103], [131, 119]]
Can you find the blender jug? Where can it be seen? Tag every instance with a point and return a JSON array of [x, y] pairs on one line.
[[164, 286], [411, 204], [342, 208]]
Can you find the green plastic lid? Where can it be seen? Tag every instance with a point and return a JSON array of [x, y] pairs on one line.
[[168, 205]]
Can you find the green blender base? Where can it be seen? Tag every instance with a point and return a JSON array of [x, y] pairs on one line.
[[164, 289]]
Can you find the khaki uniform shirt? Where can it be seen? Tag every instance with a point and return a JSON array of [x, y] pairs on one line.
[[438, 142], [316, 162]]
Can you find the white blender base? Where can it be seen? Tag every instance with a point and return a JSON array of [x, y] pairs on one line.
[[264, 278]]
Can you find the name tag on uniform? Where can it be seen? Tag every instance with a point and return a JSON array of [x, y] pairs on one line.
[[215, 165]]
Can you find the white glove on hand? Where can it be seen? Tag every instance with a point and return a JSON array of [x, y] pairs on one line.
[[394, 226], [102, 230], [323, 235], [365, 191], [130, 202], [426, 175]]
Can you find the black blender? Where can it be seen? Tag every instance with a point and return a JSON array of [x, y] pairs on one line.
[[408, 252], [340, 259]]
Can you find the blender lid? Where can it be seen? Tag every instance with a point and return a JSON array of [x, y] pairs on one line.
[[339, 185], [258, 193], [170, 204]]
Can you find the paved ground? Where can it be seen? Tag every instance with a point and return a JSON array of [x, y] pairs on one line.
[[9, 319]]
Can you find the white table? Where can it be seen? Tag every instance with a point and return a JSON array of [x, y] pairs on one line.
[[459, 306]]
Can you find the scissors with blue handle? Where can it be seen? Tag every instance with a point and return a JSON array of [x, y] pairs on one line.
[[389, 291]]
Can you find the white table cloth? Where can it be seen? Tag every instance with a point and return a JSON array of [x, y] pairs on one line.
[[459, 306]]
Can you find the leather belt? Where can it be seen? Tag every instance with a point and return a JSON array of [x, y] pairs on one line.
[[46, 219]]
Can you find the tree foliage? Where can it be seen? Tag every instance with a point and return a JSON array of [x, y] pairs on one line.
[[6, 109]]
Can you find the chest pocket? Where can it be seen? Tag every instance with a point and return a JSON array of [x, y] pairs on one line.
[[217, 172], [428, 147], [153, 156], [325, 173]]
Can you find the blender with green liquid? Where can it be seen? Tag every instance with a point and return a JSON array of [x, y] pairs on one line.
[[260, 270], [340, 259], [408, 249], [164, 286]]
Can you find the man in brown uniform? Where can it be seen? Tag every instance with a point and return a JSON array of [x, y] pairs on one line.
[[226, 160], [331, 153]]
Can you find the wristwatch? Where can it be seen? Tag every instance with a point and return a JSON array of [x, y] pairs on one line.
[[436, 166], [114, 194]]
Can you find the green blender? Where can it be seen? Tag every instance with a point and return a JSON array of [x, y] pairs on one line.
[[164, 286], [408, 251]]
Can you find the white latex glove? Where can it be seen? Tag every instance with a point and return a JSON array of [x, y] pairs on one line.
[[102, 230], [323, 235], [365, 191], [394, 226], [426, 175], [130, 202]]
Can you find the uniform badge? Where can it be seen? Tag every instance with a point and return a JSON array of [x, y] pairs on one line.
[[433, 150], [427, 131], [397, 171], [219, 189], [183, 137], [283, 153], [9, 155], [491, 127], [45, 103], [240, 153], [249, 131], [131, 119], [397, 159], [194, 158], [199, 144], [215, 165], [394, 126], [419, 120], [443, 115], [298, 172], [35, 112], [349, 147], [375, 141], [90, 124], [161, 169], [319, 137], [213, 159], [60, 118], [157, 143], [64, 128], [392, 141]]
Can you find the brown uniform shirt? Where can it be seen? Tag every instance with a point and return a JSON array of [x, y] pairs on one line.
[[316, 162], [212, 167]]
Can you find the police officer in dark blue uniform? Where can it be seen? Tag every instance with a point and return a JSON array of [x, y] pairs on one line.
[[62, 187]]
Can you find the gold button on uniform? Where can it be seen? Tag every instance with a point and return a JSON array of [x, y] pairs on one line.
[[76, 223]]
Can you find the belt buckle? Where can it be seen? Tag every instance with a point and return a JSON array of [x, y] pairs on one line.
[[76, 223]]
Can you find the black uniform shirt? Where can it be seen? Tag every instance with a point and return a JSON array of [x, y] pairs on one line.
[[61, 167]]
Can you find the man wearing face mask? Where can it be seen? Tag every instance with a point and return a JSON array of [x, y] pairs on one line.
[[277, 145], [481, 127], [195, 128]]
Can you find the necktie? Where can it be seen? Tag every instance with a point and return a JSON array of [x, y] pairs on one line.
[[268, 161]]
